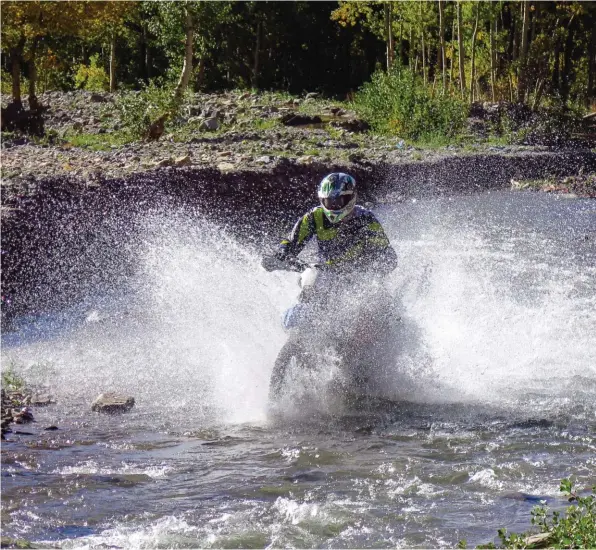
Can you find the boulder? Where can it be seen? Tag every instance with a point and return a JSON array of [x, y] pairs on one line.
[[41, 400], [209, 124], [111, 403]]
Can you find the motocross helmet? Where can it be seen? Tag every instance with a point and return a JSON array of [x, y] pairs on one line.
[[337, 193]]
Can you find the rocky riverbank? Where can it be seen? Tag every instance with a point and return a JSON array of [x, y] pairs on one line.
[[228, 132], [17, 408]]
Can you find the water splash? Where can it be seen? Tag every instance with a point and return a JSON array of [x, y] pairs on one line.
[[498, 298]]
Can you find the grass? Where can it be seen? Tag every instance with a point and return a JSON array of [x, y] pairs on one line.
[[98, 142], [264, 123]]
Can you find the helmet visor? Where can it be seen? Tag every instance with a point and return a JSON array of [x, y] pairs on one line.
[[336, 203]]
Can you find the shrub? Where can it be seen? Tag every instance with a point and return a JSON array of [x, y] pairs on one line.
[[139, 109], [11, 381], [399, 103], [575, 529], [92, 78]]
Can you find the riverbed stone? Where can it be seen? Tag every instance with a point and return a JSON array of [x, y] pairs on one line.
[[111, 403], [183, 161], [210, 124]]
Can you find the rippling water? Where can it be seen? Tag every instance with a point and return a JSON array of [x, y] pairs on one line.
[[490, 402]]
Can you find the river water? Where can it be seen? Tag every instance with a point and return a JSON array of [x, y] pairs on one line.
[[489, 403]]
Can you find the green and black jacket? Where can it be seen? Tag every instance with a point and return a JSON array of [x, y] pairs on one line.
[[358, 241]]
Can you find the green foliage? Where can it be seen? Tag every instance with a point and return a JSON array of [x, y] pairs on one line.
[[92, 77], [139, 109], [11, 381], [576, 528], [398, 103], [6, 82]]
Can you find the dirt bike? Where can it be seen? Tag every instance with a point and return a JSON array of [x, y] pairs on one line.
[[346, 319]]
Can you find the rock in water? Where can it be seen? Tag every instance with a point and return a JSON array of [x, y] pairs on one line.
[[111, 403]]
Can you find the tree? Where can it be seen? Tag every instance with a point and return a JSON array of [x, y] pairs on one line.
[[460, 43], [376, 16], [473, 60], [442, 44], [523, 55]]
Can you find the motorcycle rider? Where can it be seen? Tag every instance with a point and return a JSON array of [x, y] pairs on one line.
[[349, 237], [350, 240]]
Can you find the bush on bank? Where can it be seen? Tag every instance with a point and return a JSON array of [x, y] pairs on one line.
[[399, 103], [575, 528]]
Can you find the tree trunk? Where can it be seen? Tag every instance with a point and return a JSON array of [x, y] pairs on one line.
[[516, 33], [411, 50], [538, 93], [460, 41], [33, 103], [442, 44], [522, 76], [472, 65], [591, 95], [391, 44], [508, 23], [556, 78], [16, 59], [401, 41], [113, 62], [255, 67], [493, 53], [389, 34], [423, 58], [451, 64], [567, 60], [188, 53], [144, 47]]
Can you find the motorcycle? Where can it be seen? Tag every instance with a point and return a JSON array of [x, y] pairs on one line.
[[343, 321]]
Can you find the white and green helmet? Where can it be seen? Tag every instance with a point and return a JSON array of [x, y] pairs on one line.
[[337, 193]]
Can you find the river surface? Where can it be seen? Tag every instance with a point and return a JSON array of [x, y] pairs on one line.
[[488, 404]]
